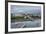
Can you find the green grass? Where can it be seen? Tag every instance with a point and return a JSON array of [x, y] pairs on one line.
[[17, 17], [22, 17]]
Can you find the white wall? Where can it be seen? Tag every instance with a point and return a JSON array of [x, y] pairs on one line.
[[2, 17]]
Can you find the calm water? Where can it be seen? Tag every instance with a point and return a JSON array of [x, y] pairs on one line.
[[26, 24]]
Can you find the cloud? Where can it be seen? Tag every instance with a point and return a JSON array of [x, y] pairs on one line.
[[25, 9]]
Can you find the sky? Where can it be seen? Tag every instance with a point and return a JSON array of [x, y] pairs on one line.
[[16, 9]]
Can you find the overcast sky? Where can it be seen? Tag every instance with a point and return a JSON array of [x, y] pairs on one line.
[[25, 9]]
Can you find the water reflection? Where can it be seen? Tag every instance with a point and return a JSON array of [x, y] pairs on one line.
[[26, 24]]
